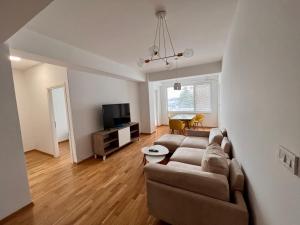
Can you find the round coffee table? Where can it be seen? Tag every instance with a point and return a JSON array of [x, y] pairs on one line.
[[154, 157]]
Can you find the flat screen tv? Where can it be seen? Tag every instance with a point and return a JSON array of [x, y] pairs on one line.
[[115, 115]]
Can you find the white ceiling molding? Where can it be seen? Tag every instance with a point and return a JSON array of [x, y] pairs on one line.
[[203, 69], [14, 14], [34, 46]]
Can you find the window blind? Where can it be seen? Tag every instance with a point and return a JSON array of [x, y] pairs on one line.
[[202, 98]]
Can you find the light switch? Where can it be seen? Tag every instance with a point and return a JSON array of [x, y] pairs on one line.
[[288, 159]]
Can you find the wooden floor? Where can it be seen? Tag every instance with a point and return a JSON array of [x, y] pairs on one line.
[[92, 192]]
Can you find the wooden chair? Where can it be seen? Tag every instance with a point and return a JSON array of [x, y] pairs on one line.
[[176, 125]]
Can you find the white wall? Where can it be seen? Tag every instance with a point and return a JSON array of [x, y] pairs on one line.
[[33, 104], [146, 94], [24, 110], [60, 114], [14, 190], [260, 89], [87, 94], [211, 119]]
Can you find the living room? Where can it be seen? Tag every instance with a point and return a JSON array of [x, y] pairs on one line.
[[245, 52]]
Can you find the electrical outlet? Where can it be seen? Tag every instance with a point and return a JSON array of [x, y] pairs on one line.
[[288, 159]]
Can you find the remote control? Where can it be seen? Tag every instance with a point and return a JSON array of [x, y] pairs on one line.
[[153, 150]]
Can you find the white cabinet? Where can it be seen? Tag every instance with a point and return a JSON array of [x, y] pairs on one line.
[[124, 136]]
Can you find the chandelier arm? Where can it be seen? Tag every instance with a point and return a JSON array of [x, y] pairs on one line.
[[169, 36], [155, 38], [164, 41], [156, 33], [163, 58], [159, 36]]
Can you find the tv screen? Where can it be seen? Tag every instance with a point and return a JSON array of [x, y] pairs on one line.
[[115, 115]]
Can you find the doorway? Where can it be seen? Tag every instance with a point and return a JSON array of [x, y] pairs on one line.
[[60, 121]]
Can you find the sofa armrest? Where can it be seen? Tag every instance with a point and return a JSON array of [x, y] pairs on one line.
[[205, 183], [177, 206], [239, 201], [196, 133]]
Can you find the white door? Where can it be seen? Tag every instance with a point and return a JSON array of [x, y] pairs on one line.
[[60, 114]]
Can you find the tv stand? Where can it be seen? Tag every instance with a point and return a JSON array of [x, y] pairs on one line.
[[108, 141]]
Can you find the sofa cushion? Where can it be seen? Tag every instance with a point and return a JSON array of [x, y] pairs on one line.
[[184, 166], [209, 184], [215, 136], [226, 145], [214, 161], [195, 142], [170, 141], [188, 155], [236, 176]]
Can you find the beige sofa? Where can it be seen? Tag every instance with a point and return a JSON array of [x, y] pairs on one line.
[[183, 193], [198, 140]]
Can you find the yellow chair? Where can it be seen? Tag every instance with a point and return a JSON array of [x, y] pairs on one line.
[[176, 125], [199, 119], [192, 122]]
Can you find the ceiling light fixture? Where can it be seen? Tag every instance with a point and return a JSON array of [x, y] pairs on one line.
[[161, 42], [177, 85], [14, 58]]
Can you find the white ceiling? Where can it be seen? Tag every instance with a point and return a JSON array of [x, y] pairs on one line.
[[123, 30], [24, 64]]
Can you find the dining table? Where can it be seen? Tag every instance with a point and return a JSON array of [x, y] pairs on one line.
[[185, 117]]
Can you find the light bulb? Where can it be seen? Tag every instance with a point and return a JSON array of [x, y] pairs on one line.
[[140, 62], [189, 52], [153, 50]]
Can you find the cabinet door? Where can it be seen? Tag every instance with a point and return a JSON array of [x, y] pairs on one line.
[[124, 136]]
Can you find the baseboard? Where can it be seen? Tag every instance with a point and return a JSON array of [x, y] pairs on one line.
[[66, 140], [39, 151], [30, 150], [83, 160], [7, 218]]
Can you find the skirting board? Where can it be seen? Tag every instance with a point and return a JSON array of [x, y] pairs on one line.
[[45, 153]]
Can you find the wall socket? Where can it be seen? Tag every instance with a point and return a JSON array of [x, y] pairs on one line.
[[288, 159]]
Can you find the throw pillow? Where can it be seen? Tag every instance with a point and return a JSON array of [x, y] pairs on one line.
[[214, 160], [217, 149]]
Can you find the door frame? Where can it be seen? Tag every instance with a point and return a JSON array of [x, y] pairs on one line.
[[69, 120]]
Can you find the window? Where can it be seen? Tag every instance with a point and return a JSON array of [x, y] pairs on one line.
[[191, 98], [182, 100]]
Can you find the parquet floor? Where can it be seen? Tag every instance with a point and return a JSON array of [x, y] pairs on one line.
[[92, 192]]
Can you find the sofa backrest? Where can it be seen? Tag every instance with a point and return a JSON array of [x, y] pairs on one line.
[[215, 136], [236, 176]]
